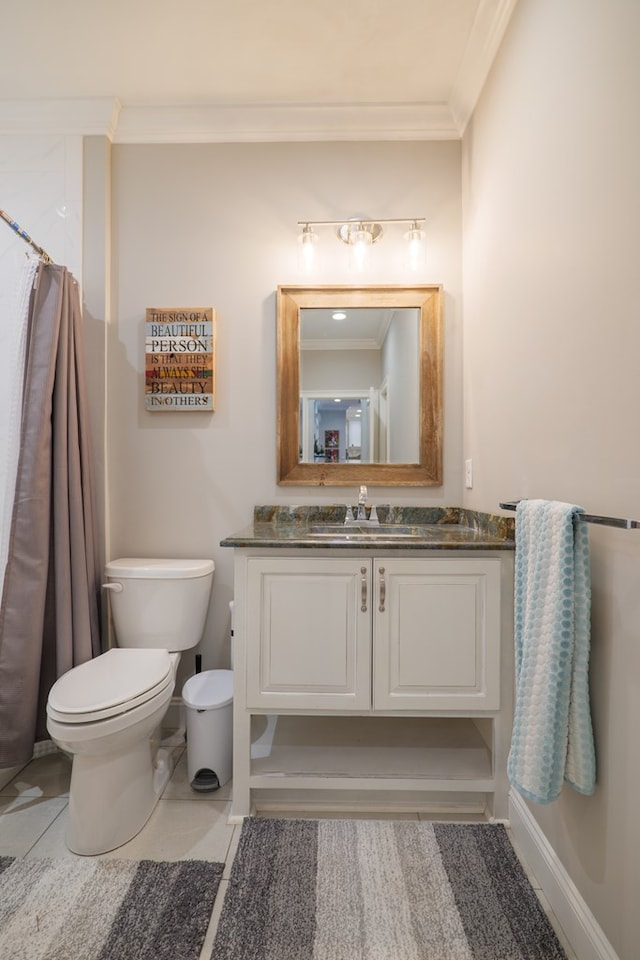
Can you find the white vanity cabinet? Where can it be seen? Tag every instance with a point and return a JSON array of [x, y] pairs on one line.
[[308, 633], [362, 674], [436, 638], [381, 633]]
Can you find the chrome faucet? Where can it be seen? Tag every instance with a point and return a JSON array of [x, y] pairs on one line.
[[361, 514], [372, 519]]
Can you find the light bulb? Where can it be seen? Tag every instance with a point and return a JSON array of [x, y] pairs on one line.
[[359, 241], [307, 240], [415, 239]]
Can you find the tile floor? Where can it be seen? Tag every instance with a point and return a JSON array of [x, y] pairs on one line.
[[184, 825]]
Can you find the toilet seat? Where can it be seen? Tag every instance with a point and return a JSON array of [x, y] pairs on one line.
[[110, 684]]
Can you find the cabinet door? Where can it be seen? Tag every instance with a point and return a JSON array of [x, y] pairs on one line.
[[309, 633], [437, 634]]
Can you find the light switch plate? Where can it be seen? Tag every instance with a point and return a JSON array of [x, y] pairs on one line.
[[468, 474]]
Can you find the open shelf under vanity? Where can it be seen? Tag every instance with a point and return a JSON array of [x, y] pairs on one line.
[[392, 757]]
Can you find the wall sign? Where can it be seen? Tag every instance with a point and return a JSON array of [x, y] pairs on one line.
[[180, 358]]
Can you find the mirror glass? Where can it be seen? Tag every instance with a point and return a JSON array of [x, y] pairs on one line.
[[359, 385]]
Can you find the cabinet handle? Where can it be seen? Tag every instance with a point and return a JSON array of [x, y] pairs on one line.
[[383, 590], [363, 583]]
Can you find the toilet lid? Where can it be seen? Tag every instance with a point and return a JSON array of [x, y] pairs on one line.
[[99, 688], [146, 569]]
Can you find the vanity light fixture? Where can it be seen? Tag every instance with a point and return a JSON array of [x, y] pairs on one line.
[[360, 235]]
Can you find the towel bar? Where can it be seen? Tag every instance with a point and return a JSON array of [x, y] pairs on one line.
[[588, 518]]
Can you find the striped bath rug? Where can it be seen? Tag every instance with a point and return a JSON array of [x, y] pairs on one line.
[[94, 909], [380, 890]]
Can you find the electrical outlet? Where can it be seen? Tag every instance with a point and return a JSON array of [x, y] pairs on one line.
[[468, 474]]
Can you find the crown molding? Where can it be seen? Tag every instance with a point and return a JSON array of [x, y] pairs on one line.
[[246, 123], [489, 27], [75, 117], [241, 123], [255, 123]]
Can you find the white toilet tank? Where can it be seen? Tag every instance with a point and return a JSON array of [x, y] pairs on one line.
[[159, 603]]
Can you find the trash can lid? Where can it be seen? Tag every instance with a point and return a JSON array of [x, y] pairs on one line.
[[208, 690]]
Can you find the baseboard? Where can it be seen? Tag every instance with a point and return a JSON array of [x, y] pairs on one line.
[[578, 923]]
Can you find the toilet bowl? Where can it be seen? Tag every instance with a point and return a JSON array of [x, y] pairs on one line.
[[106, 712]]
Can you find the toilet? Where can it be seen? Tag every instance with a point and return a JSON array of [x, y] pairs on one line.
[[106, 712]]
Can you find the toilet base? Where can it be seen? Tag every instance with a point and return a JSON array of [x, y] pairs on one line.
[[112, 796]]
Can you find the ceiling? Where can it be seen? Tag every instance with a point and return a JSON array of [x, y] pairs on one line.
[[361, 328], [249, 69]]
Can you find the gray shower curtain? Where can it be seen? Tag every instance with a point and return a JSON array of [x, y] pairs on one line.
[[49, 616]]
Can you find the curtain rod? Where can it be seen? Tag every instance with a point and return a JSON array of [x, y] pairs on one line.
[[25, 236], [588, 518]]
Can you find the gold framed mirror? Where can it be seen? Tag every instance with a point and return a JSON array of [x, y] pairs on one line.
[[396, 394]]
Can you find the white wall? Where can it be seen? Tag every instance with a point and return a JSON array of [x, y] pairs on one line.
[[402, 367], [42, 189], [96, 311], [41, 179], [216, 225], [551, 344], [339, 369], [56, 187]]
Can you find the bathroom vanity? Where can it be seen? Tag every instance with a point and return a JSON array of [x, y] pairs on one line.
[[373, 665]]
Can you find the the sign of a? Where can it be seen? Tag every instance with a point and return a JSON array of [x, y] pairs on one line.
[[179, 358]]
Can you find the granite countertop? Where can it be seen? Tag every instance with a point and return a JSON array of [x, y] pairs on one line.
[[431, 528]]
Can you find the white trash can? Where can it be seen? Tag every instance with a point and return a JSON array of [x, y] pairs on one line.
[[208, 701]]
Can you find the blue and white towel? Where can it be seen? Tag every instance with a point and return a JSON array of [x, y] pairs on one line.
[[552, 739]]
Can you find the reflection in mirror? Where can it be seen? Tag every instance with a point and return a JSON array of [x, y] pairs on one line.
[[359, 385]]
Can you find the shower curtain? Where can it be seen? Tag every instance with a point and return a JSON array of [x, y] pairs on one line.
[[49, 614]]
